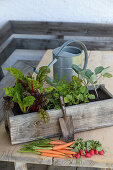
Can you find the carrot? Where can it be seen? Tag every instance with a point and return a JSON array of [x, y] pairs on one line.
[[68, 148], [53, 155], [50, 151], [62, 146], [57, 142], [66, 151]]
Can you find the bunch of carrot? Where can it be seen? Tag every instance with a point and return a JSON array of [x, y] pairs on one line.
[[61, 150]]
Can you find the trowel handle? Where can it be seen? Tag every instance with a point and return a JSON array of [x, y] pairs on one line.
[[63, 106], [82, 45]]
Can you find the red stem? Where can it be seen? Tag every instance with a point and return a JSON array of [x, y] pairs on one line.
[[32, 87]]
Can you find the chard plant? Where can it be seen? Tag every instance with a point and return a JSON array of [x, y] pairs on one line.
[[28, 93], [92, 78]]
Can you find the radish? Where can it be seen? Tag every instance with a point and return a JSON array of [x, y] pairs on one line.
[[101, 152], [91, 152], [96, 152], [88, 155], [77, 156]]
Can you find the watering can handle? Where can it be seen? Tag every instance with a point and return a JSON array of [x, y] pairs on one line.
[[67, 43]]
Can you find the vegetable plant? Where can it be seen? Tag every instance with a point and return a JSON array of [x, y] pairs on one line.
[[74, 92], [92, 78], [29, 93]]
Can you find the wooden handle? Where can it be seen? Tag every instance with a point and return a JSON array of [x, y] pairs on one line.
[[63, 106]]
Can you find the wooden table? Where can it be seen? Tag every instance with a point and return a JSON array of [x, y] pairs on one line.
[[10, 152]]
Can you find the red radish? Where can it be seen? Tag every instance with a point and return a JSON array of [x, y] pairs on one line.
[[74, 155], [88, 155], [77, 155], [81, 152], [86, 151], [101, 152], [91, 152], [96, 152]]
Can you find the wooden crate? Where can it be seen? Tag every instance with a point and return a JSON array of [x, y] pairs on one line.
[[27, 127]]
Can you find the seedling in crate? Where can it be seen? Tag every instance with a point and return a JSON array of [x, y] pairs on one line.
[[92, 78]]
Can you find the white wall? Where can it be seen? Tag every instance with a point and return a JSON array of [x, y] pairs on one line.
[[100, 11]]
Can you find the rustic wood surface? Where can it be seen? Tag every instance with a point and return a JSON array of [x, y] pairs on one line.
[[20, 166], [6, 50], [62, 28], [44, 44], [10, 152], [5, 32]]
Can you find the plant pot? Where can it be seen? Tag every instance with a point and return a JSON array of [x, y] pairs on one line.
[[27, 127]]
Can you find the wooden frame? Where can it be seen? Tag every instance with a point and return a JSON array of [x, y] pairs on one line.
[[95, 36]]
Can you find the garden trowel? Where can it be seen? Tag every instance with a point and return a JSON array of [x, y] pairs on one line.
[[66, 123]]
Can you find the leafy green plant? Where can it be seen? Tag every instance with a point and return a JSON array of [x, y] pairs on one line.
[[74, 92], [29, 93], [92, 78]]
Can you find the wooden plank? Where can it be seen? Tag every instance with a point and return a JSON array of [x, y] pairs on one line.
[[6, 50], [9, 80], [62, 28], [44, 44], [1, 73], [88, 116], [20, 166], [10, 153], [5, 32]]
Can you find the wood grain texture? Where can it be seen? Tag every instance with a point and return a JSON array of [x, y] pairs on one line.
[[20, 166], [5, 32], [44, 44], [6, 50], [85, 117], [62, 28]]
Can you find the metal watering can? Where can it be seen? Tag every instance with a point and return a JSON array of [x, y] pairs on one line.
[[64, 57]]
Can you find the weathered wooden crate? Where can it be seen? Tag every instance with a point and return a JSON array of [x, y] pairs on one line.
[[27, 127]]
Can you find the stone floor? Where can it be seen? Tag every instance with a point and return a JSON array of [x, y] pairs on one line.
[[96, 58]]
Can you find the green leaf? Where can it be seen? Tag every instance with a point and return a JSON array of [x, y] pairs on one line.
[[83, 89], [92, 78], [91, 96], [108, 75], [105, 70], [88, 73], [16, 73], [99, 148], [43, 71], [76, 68], [28, 101], [9, 91], [76, 149], [98, 70]]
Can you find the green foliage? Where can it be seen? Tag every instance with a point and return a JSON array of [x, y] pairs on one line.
[[28, 93], [86, 145], [74, 92], [41, 76], [16, 93], [88, 77]]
